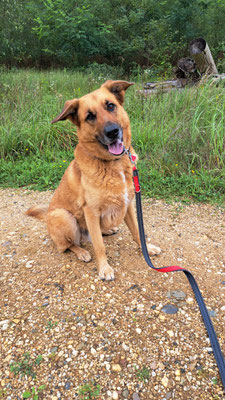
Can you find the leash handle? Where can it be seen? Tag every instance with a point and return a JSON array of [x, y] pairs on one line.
[[204, 312]]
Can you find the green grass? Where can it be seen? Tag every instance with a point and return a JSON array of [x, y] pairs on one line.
[[179, 136]]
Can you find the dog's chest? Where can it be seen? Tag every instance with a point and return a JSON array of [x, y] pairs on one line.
[[110, 196]]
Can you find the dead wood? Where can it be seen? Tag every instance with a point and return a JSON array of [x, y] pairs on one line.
[[201, 53]]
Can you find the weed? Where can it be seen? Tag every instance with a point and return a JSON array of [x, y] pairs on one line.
[[34, 394], [89, 391], [143, 374], [50, 325], [26, 365]]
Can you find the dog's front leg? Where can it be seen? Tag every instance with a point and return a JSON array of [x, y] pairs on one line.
[[93, 225], [131, 221]]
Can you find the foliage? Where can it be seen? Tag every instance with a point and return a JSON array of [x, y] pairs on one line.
[[75, 33], [178, 136], [89, 391], [34, 394], [143, 374], [26, 365]]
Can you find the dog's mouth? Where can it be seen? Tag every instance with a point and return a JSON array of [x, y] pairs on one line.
[[116, 148]]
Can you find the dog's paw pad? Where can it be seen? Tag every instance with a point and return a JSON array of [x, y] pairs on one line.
[[84, 255], [153, 250], [106, 272]]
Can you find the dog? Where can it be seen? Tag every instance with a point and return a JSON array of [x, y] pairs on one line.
[[96, 191]]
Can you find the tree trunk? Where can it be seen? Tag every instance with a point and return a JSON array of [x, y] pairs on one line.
[[201, 53]]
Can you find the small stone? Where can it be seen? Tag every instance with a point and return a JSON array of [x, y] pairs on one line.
[[125, 347], [135, 396], [54, 349], [125, 393], [223, 308], [45, 304], [93, 351], [116, 368], [212, 313], [168, 395], [153, 365], [81, 346], [115, 395], [169, 309], [8, 243], [165, 381], [223, 282], [170, 333], [92, 287], [67, 385], [178, 294], [177, 372], [162, 318], [138, 330], [190, 300], [29, 264], [4, 324], [16, 320]]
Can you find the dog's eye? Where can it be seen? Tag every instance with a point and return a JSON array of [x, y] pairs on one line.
[[111, 107], [90, 116]]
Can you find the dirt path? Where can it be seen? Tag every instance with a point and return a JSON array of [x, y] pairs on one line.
[[112, 334]]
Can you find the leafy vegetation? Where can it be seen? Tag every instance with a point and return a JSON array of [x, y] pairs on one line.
[[152, 34], [34, 394], [26, 366], [89, 391], [179, 136]]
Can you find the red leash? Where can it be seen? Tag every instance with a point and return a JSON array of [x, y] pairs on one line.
[[204, 312]]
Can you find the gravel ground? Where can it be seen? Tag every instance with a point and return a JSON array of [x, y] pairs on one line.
[[117, 335]]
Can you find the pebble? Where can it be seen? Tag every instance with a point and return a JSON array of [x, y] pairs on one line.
[[138, 330], [169, 309], [29, 264], [212, 313], [223, 308], [125, 393], [170, 333], [125, 347], [165, 381], [67, 386], [135, 396], [4, 324], [116, 368], [54, 349], [115, 395]]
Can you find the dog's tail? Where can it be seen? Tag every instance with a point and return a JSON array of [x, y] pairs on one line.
[[39, 212]]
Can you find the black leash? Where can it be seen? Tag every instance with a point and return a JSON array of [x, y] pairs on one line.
[[205, 315]]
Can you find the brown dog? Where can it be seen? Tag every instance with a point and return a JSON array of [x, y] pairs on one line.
[[95, 193]]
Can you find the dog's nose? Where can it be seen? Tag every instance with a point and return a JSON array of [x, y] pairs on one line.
[[112, 131]]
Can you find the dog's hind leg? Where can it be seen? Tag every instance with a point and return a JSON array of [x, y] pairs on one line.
[[65, 232]]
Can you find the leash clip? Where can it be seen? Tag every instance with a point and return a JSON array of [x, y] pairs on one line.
[[133, 158]]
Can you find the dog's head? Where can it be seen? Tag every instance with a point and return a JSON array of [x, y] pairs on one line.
[[102, 123]]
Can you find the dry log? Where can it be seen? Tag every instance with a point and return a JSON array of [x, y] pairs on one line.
[[201, 53], [186, 71]]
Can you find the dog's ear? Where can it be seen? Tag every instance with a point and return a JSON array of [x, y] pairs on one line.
[[118, 88], [70, 111]]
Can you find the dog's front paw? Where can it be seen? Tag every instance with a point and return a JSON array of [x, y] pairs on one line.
[[152, 249], [106, 272]]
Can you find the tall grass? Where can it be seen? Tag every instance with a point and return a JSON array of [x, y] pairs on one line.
[[179, 136]]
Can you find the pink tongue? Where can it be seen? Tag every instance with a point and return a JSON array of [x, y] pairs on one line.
[[116, 148]]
